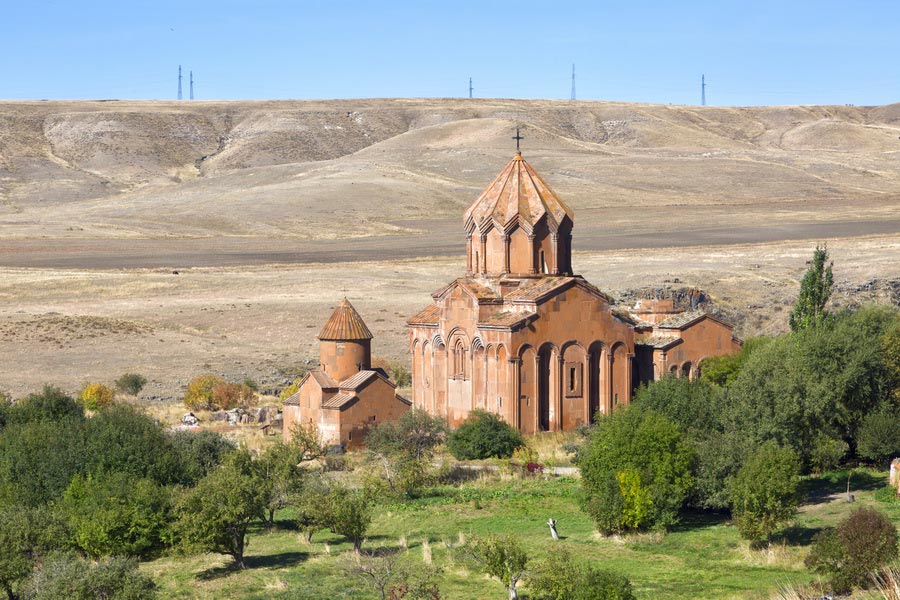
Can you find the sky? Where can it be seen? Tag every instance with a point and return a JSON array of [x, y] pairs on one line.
[[751, 52]]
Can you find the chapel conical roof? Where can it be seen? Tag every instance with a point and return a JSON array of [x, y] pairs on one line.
[[345, 324], [517, 195]]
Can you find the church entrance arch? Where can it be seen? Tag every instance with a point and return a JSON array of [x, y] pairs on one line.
[[595, 377], [547, 359], [528, 392]]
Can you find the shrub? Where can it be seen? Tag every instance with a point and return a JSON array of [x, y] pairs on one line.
[[500, 557], [764, 493], [131, 383], [561, 577], [198, 453], [862, 543], [350, 514], [291, 389], [50, 405], [226, 396], [484, 435], [879, 436], [26, 536], [722, 370], [95, 396], [635, 471], [199, 395], [826, 453], [117, 515], [71, 577], [401, 375]]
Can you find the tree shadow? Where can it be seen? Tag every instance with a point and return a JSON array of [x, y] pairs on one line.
[[796, 535], [821, 489], [693, 518], [268, 561]]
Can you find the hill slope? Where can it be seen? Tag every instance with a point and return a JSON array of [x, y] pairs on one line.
[[348, 168]]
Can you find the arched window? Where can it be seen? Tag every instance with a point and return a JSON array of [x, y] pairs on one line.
[[459, 360]]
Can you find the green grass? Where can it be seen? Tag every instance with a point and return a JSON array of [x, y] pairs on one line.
[[703, 557]]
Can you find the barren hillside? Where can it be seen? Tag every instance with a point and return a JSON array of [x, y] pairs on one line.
[[335, 169]]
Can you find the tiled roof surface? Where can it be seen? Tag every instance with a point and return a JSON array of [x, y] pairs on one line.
[[403, 400], [658, 341], [345, 324], [323, 379], [539, 287], [430, 316], [339, 400], [681, 320], [481, 292], [516, 194], [505, 318], [293, 398], [354, 382]]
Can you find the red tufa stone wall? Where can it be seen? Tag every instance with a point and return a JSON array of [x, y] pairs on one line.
[[341, 359], [701, 340]]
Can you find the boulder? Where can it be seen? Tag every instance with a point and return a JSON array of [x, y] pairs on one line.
[[190, 420]]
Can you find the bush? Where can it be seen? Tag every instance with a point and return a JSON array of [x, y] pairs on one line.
[[561, 577], [400, 374], [95, 396], [635, 471], [862, 543], [291, 389], [764, 493], [484, 435], [71, 577], [199, 395], [349, 514], [826, 453], [722, 370], [26, 536], [117, 515], [500, 557], [198, 453], [50, 405], [131, 383], [226, 396], [879, 436]]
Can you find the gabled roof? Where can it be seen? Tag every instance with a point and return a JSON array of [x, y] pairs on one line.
[[516, 196], [339, 400], [345, 324], [358, 380], [505, 319], [659, 342], [541, 289], [429, 317], [480, 292], [322, 378], [293, 398], [682, 320]]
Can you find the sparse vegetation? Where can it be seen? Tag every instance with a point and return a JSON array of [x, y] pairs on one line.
[[131, 383]]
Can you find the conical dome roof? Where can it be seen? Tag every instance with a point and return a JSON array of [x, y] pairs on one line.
[[345, 324], [517, 195]]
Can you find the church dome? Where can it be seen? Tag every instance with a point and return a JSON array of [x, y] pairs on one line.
[[517, 196], [345, 324]]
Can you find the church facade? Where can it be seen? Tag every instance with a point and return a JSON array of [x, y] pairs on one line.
[[521, 335]]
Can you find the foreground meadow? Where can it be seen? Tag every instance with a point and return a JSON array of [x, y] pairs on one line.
[[702, 557]]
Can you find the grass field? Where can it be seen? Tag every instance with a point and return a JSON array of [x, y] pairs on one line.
[[703, 557]]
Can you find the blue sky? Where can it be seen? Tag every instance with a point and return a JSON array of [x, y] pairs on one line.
[[752, 53]]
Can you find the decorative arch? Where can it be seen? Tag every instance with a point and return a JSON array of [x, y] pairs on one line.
[[686, 369]]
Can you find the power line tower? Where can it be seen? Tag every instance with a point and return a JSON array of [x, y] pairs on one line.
[[703, 90], [179, 82], [192, 85], [573, 81], [470, 87]]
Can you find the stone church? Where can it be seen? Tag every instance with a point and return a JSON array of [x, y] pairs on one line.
[[344, 396], [523, 336]]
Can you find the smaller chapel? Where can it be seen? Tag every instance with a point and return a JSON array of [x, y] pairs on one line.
[[344, 397], [522, 335]]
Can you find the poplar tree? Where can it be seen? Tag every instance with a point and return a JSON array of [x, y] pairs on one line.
[[815, 290]]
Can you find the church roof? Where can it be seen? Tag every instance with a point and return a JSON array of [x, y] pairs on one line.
[[539, 290], [430, 316], [505, 318], [339, 400], [358, 380], [682, 320], [517, 195], [345, 324], [660, 342]]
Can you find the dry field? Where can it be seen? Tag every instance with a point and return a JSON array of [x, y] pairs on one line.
[[270, 211]]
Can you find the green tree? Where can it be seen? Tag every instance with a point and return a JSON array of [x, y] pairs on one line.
[[312, 506], [117, 514], [405, 448], [764, 493], [502, 557], [95, 396], [862, 543], [71, 577], [815, 290], [216, 514], [131, 383], [350, 514], [280, 468], [633, 453], [52, 404], [198, 453], [199, 394], [484, 435], [26, 536], [561, 577], [890, 349], [879, 435], [722, 370]]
